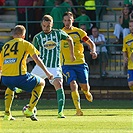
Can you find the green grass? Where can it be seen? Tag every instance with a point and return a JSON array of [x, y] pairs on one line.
[[101, 116]]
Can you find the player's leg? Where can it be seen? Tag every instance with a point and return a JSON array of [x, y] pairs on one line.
[[9, 96], [83, 79], [58, 84], [76, 97], [36, 85], [86, 90], [70, 77], [130, 79], [35, 95]]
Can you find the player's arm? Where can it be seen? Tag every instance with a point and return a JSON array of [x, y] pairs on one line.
[[0, 65], [39, 62], [71, 47], [131, 57], [29, 59], [92, 46], [125, 57]]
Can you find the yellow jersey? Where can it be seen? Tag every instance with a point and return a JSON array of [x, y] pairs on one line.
[[128, 47], [0, 63], [77, 36], [0, 60], [14, 54]]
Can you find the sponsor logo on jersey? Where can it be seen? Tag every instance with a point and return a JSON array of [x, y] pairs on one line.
[[50, 45], [10, 61]]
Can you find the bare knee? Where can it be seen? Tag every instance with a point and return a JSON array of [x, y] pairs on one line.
[[42, 82], [130, 84], [74, 85], [58, 83]]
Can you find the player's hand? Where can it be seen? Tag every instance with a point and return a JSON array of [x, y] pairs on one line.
[[94, 55], [73, 58], [50, 76]]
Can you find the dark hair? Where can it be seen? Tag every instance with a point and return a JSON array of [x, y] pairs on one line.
[[83, 11], [68, 14], [94, 27]]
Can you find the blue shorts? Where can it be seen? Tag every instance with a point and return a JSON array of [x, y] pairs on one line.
[[26, 82], [130, 75], [80, 73]]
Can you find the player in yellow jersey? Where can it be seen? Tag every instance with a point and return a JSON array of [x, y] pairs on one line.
[[14, 72], [0, 64], [77, 70], [127, 51]]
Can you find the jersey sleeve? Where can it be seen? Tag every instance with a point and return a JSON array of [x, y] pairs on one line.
[[0, 60], [64, 35], [35, 42], [82, 33], [32, 50], [124, 49]]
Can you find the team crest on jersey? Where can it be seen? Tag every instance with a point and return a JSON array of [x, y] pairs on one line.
[[128, 44], [50, 45]]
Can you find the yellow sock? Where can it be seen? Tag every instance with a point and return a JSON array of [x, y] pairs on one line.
[[9, 96], [35, 95], [131, 88], [88, 95], [85, 92], [76, 99]]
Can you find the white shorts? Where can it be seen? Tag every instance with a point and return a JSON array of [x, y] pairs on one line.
[[57, 73]]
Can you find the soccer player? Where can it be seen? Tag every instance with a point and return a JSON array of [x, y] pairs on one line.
[[0, 65], [48, 43], [77, 70], [127, 52], [14, 72]]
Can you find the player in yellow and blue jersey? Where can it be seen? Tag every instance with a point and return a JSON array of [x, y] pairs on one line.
[[0, 64], [0, 58], [14, 72], [77, 70], [127, 51]]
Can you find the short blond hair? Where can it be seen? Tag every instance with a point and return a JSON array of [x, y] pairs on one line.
[[47, 18], [19, 30]]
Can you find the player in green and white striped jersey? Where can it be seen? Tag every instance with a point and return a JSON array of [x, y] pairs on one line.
[[48, 44]]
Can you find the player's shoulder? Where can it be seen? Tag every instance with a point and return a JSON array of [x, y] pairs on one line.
[[1, 45], [38, 34], [57, 30], [128, 36], [78, 30]]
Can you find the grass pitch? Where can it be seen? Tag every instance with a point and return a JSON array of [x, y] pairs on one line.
[[101, 116]]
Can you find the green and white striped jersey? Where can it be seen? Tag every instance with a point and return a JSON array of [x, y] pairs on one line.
[[49, 46]]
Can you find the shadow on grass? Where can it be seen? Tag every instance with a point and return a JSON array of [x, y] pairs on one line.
[[44, 104]]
